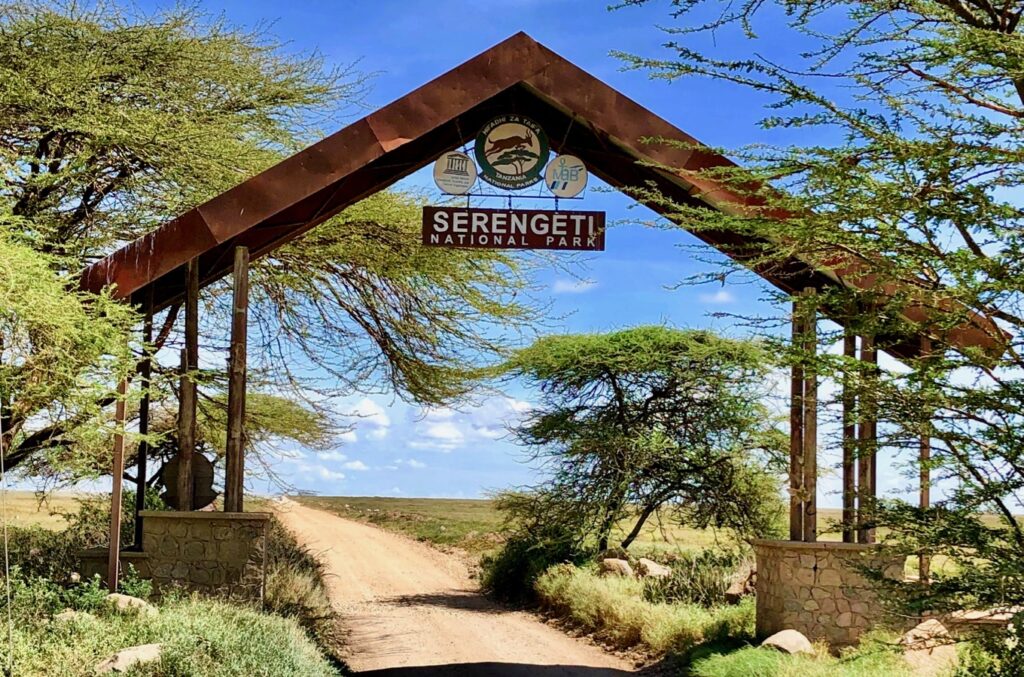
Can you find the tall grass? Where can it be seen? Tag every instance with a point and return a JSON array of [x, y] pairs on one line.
[[698, 577], [201, 638], [877, 656], [614, 610]]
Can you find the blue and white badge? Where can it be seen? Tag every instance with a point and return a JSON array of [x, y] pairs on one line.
[[566, 176]]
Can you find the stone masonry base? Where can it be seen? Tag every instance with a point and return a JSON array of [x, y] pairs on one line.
[[816, 588], [218, 553]]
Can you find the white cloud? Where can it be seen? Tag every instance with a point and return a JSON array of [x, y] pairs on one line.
[[312, 471], [370, 418], [446, 429], [321, 471], [519, 406], [721, 296], [349, 437], [355, 465], [562, 286], [371, 412], [413, 463], [328, 474], [445, 435], [332, 456], [439, 414], [491, 432]]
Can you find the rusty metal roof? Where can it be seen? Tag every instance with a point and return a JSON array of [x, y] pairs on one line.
[[580, 113]]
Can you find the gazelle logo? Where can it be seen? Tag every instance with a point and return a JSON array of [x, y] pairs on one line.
[[511, 151]]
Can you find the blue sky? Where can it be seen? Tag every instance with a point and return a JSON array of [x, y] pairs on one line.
[[397, 449]]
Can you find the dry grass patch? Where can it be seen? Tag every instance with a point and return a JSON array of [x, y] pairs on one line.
[[614, 610], [30, 509]]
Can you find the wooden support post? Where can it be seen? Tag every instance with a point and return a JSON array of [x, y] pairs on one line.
[[867, 446], [114, 552], [796, 435], [925, 455], [235, 472], [188, 397], [145, 375], [849, 444], [810, 427], [803, 425]]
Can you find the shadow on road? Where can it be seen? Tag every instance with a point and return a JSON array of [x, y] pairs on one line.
[[469, 600], [496, 670]]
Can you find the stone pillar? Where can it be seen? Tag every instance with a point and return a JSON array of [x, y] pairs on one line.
[[817, 588], [221, 553]]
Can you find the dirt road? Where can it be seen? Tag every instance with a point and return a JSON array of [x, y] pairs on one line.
[[413, 611]]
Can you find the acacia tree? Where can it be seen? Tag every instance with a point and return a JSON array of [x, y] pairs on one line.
[[113, 122], [58, 350], [644, 420], [908, 165]]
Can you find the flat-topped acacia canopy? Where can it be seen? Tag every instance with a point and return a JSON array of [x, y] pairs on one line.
[[580, 114]]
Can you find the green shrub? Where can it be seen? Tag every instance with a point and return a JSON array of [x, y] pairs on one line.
[[700, 577], [54, 554], [35, 599], [995, 653], [510, 574], [613, 608], [42, 551], [130, 583]]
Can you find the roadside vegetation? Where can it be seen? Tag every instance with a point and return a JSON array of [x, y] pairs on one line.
[[199, 636], [295, 631], [615, 610], [877, 655]]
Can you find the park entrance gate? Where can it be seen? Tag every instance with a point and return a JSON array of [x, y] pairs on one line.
[[802, 583]]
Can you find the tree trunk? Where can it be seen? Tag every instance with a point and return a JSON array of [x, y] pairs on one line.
[[631, 536]]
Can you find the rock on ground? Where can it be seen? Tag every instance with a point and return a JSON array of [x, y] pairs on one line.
[[743, 583], [789, 641], [126, 659], [618, 567], [929, 649], [650, 569], [70, 615], [127, 603]]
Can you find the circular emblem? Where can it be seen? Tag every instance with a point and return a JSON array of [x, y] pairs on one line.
[[566, 176], [512, 151], [455, 173]]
